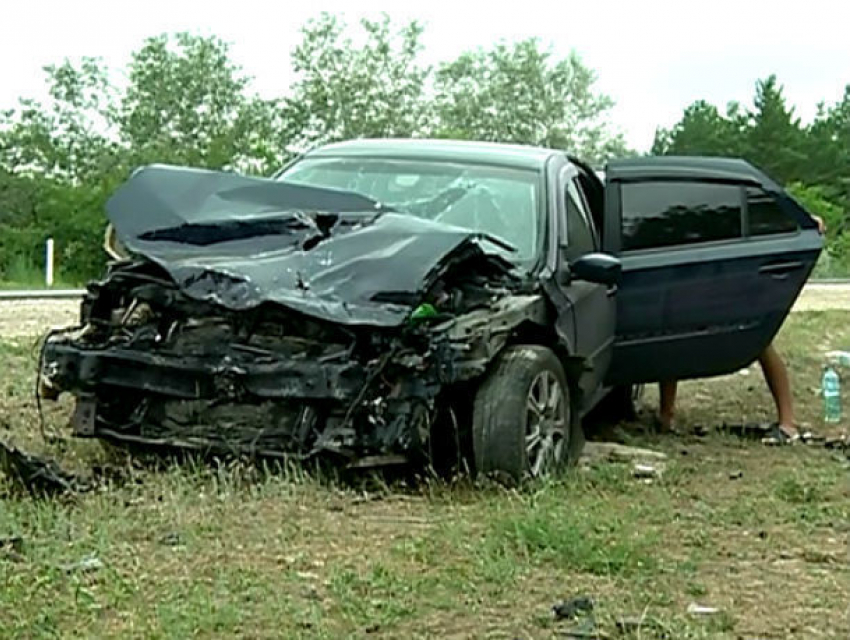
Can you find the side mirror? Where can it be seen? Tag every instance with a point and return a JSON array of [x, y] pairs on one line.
[[599, 268]]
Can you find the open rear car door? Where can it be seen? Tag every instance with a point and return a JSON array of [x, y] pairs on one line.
[[714, 255]]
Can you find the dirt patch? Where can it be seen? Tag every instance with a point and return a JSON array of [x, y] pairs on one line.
[[30, 318]]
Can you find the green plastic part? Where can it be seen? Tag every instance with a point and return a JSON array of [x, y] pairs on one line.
[[424, 311]]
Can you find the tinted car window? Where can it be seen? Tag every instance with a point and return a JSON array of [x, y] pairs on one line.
[[765, 215], [664, 214], [579, 234]]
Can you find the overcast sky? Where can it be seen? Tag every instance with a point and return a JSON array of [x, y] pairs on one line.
[[654, 57]]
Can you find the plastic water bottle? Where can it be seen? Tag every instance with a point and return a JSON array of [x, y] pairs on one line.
[[831, 388]]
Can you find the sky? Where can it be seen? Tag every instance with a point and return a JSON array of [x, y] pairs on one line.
[[653, 57]]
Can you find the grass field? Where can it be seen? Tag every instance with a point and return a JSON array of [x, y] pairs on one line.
[[233, 550]]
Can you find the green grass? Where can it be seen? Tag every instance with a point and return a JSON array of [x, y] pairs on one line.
[[22, 273], [235, 550], [831, 266]]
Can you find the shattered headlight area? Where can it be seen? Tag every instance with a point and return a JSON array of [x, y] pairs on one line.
[[151, 365]]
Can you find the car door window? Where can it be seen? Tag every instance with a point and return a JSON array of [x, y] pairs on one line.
[[667, 214], [580, 236], [765, 215]]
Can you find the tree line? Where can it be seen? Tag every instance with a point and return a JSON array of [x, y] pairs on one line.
[[182, 100]]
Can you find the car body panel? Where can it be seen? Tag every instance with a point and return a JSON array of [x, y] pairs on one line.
[[467, 152], [706, 308], [592, 306], [241, 241]]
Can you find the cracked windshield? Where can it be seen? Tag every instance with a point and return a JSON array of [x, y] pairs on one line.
[[495, 201]]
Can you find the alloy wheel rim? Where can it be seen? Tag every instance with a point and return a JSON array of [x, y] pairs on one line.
[[546, 424]]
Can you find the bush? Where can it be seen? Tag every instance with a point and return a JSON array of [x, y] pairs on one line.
[[835, 260]]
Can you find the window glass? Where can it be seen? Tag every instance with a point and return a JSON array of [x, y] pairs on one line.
[[580, 238], [503, 202], [766, 217], [664, 214]]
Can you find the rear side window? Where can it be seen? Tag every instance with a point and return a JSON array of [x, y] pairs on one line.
[[766, 216], [666, 214]]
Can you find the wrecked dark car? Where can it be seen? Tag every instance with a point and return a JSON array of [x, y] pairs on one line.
[[394, 301]]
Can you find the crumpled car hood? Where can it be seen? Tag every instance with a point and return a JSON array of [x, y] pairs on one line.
[[240, 241]]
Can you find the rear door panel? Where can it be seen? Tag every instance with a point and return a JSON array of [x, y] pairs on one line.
[[707, 308], [703, 317]]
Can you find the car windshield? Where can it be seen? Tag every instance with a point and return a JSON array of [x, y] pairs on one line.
[[502, 202]]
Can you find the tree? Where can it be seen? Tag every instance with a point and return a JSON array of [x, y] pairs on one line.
[[836, 258], [702, 131], [518, 93], [68, 138], [186, 104], [57, 163], [345, 91], [774, 138], [827, 150], [768, 134]]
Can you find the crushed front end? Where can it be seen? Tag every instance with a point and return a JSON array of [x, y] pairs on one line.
[[269, 330], [153, 366]]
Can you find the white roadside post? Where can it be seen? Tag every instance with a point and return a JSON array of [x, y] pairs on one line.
[[48, 263]]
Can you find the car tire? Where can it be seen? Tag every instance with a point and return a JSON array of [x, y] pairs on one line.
[[524, 422]]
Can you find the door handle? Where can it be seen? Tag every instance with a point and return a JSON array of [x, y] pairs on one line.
[[612, 290], [781, 268]]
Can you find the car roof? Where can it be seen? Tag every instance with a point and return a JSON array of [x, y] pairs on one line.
[[463, 151], [685, 167]]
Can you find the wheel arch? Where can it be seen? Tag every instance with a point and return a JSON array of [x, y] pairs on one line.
[[545, 335]]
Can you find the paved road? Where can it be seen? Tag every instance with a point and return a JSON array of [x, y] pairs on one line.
[[820, 297], [29, 318]]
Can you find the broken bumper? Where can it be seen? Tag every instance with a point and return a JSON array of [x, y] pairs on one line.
[[272, 406], [70, 368]]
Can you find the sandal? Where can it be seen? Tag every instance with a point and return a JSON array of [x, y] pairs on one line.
[[777, 436]]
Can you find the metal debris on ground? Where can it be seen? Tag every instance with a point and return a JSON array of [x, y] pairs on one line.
[[612, 451], [37, 475], [572, 608], [648, 471], [578, 608], [695, 609], [87, 564]]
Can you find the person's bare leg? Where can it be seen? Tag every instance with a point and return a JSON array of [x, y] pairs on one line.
[[667, 393], [776, 376]]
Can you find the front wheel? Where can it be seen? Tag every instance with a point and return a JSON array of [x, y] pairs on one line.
[[524, 423]]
